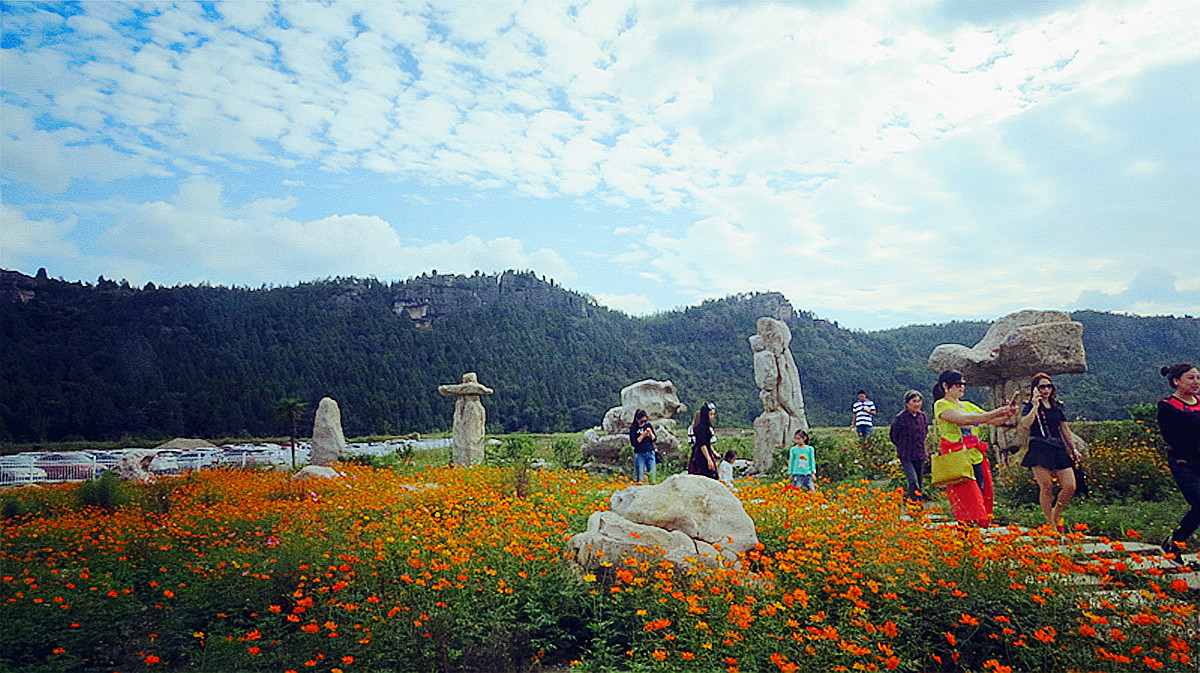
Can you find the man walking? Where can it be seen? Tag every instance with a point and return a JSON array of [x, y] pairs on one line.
[[861, 414]]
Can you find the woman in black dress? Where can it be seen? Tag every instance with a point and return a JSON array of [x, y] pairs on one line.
[[1052, 453], [704, 460]]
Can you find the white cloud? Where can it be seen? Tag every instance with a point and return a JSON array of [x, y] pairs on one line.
[[1153, 291], [631, 304], [762, 153], [23, 239], [198, 235]]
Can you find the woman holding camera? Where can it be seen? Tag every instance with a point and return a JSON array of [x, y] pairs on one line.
[[953, 418], [1051, 453], [641, 437]]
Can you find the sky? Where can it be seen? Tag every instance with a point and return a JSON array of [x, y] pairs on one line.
[[880, 163]]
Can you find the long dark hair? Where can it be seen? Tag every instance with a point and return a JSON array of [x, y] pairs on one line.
[[702, 419], [1175, 371], [1033, 382], [640, 413], [947, 379]]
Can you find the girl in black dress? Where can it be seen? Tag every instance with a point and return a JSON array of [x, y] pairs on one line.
[[1052, 453]]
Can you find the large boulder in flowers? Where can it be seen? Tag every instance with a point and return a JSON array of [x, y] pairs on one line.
[[702, 508], [687, 520], [610, 537], [316, 472]]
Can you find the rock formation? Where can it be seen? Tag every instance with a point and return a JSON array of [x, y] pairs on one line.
[[134, 465], [470, 419], [328, 442], [1015, 348], [431, 297], [688, 518], [316, 472], [778, 380], [660, 400]]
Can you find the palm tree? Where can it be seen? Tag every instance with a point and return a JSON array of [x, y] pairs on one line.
[[291, 409]]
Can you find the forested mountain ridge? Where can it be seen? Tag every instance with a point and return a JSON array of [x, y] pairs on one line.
[[105, 360]]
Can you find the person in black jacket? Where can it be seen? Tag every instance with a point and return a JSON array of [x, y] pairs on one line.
[[641, 436], [1179, 422]]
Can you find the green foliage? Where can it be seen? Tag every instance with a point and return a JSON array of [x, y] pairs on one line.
[[1135, 471], [157, 496], [515, 451], [108, 492], [368, 460], [568, 453], [1145, 413], [512, 448], [12, 507]]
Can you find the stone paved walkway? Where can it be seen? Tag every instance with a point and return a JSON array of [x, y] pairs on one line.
[[1127, 556]]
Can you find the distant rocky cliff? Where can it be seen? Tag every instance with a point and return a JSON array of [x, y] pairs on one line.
[[428, 297]]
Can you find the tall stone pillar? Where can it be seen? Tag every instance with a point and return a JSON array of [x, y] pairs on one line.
[[328, 441], [778, 381]]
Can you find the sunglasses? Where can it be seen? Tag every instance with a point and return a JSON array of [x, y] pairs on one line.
[[959, 383], [1045, 386]]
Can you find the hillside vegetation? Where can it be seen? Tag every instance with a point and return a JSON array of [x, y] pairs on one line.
[[106, 360]]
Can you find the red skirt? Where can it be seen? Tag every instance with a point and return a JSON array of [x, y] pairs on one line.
[[971, 501]]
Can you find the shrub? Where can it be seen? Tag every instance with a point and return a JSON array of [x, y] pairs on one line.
[[512, 448], [567, 452], [1133, 470], [107, 492]]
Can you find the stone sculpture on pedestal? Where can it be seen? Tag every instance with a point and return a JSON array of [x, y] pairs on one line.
[[470, 419], [1015, 348], [778, 380]]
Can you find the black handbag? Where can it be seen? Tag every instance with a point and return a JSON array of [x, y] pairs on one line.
[[1081, 485]]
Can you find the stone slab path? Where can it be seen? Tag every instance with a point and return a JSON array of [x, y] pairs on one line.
[[1134, 556]]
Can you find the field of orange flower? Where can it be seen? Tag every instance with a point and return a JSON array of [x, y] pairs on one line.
[[447, 570]]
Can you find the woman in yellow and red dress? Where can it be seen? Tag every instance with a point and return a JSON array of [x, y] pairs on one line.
[[970, 501]]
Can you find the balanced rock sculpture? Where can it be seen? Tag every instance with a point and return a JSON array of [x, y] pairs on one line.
[[687, 519], [660, 400], [470, 419], [328, 442], [1015, 348], [778, 381]]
